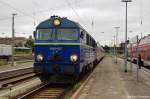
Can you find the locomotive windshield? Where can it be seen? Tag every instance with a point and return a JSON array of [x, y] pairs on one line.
[[45, 34], [67, 34], [57, 34]]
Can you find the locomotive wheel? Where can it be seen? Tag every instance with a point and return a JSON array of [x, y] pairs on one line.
[[84, 71], [91, 66]]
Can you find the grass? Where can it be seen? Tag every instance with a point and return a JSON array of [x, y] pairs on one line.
[[74, 89], [3, 62], [24, 54], [77, 85]]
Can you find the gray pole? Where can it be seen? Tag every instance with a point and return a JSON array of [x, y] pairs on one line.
[[13, 35], [131, 57], [117, 28], [126, 54], [114, 50], [137, 51], [126, 41]]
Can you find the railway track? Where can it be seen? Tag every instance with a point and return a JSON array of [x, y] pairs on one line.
[[48, 91], [22, 86], [54, 91], [14, 76]]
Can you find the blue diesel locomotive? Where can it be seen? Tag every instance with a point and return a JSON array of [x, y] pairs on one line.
[[62, 47]]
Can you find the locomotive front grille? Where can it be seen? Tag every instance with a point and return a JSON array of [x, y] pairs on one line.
[[55, 57], [56, 68]]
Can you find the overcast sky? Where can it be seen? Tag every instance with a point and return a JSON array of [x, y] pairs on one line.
[[105, 14]]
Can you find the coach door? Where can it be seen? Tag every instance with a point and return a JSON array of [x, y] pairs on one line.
[[145, 55]]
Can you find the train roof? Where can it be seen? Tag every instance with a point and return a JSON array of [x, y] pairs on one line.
[[142, 41], [145, 40], [65, 23]]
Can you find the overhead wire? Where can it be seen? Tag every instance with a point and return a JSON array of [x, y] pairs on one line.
[[30, 15], [70, 5], [7, 4], [91, 22], [75, 12], [5, 18], [87, 19]]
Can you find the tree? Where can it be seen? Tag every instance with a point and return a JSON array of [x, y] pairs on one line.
[[106, 48], [29, 42], [20, 44]]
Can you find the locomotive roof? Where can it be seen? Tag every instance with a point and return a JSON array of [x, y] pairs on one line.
[[65, 23]]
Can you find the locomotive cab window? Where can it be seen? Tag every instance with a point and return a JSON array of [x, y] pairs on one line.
[[67, 34], [45, 34]]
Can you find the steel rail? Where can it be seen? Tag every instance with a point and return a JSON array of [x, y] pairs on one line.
[[46, 91], [15, 72], [13, 76]]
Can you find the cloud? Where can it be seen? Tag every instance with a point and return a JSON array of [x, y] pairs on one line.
[[106, 14]]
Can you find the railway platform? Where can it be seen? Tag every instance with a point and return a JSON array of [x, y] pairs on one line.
[[109, 81]]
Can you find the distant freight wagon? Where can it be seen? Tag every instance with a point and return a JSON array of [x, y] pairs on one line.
[[5, 51]]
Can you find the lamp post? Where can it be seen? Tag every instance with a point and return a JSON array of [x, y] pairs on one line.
[[13, 38], [126, 1], [114, 49], [111, 49], [117, 29]]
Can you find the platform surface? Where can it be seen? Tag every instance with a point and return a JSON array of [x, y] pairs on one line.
[[109, 81]]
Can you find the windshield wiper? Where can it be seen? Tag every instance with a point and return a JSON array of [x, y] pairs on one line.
[[51, 36]]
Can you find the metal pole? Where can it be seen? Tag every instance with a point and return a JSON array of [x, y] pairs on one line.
[[131, 57], [117, 28], [13, 35], [114, 49], [137, 51], [126, 41]]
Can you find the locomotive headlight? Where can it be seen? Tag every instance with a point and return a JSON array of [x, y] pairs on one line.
[[39, 57], [56, 22], [73, 58]]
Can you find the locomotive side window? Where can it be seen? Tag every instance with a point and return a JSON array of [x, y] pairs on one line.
[[67, 34], [45, 34], [90, 41], [87, 39], [82, 34]]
